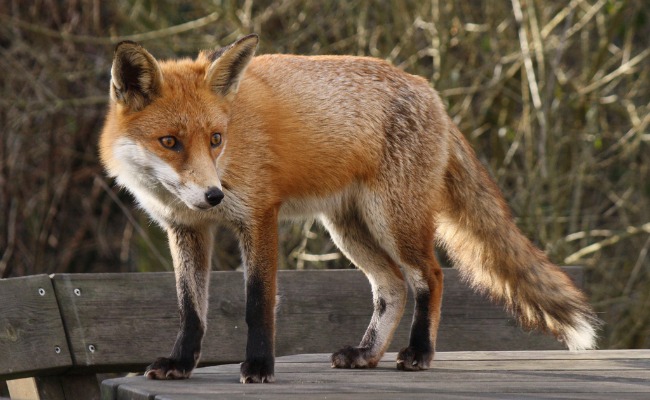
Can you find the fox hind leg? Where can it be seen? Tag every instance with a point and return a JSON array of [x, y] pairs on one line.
[[408, 237], [351, 235], [426, 282]]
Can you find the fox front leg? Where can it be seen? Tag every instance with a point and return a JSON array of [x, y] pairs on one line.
[[260, 253], [191, 252]]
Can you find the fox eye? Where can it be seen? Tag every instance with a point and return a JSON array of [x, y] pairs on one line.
[[169, 142], [215, 140]]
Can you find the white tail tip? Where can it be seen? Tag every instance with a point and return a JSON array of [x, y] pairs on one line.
[[582, 336]]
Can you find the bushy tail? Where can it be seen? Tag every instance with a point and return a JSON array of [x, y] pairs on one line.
[[477, 229]]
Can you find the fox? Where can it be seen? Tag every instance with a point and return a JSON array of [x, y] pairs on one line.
[[354, 142]]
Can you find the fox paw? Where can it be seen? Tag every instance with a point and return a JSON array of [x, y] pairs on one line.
[[257, 371], [353, 357], [168, 368], [410, 359]]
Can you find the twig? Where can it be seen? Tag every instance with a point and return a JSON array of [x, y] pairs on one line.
[[60, 188], [436, 42], [139, 37], [306, 235], [319, 257], [135, 223], [562, 14], [11, 241], [625, 68], [532, 84], [630, 231], [585, 234], [586, 18], [637, 268], [620, 143]]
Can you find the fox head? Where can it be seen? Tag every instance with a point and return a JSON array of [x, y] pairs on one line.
[[167, 125]]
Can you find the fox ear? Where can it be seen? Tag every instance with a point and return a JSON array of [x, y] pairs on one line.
[[135, 76], [228, 65]]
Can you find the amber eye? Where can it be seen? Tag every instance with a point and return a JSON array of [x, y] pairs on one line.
[[169, 142], [215, 140]]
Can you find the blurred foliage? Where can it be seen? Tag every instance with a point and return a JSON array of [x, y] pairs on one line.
[[553, 94]]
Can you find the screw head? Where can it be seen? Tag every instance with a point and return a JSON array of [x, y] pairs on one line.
[[41, 291], [91, 348], [77, 291], [57, 349]]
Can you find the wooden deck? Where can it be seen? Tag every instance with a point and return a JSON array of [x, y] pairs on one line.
[[605, 374]]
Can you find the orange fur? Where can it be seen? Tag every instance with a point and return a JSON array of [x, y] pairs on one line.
[[354, 141]]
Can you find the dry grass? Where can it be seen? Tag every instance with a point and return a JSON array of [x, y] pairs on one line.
[[553, 94]]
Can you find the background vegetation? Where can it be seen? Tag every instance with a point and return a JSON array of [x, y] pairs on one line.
[[553, 94]]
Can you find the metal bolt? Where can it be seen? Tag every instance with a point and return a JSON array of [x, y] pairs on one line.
[[91, 348], [77, 292], [57, 349], [41, 291]]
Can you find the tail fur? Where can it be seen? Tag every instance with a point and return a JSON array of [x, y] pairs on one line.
[[477, 229]]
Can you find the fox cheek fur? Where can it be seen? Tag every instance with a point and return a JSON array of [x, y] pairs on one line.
[[362, 146]]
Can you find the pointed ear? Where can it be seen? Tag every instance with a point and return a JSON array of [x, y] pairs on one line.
[[135, 76], [228, 65]]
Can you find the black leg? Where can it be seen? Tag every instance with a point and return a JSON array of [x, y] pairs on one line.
[[260, 254], [259, 364], [191, 249]]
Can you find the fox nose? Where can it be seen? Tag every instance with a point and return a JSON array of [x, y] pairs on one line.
[[213, 196]]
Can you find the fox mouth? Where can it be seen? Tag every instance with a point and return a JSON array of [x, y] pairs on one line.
[[201, 207]]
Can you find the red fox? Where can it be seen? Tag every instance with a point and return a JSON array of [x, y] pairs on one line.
[[364, 147]]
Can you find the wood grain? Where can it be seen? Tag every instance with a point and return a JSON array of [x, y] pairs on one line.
[[586, 375], [55, 387], [117, 321], [31, 329]]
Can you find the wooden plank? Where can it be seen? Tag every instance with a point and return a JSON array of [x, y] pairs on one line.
[[59, 387], [323, 310], [125, 321], [573, 376], [36, 388], [456, 356], [622, 354], [418, 396], [84, 386], [117, 321], [594, 360], [32, 339]]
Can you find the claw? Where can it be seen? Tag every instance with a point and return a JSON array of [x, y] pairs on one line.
[[410, 359], [166, 368], [257, 371]]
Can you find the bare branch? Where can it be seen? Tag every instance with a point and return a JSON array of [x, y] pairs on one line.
[[139, 37], [630, 231]]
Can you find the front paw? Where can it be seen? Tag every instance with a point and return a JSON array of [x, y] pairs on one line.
[[258, 370], [168, 368], [410, 359]]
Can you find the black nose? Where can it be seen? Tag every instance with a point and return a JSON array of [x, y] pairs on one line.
[[213, 196]]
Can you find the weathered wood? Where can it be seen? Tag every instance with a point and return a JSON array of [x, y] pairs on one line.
[[59, 387], [36, 388], [32, 339], [122, 321], [117, 321], [84, 386], [560, 374], [324, 310]]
